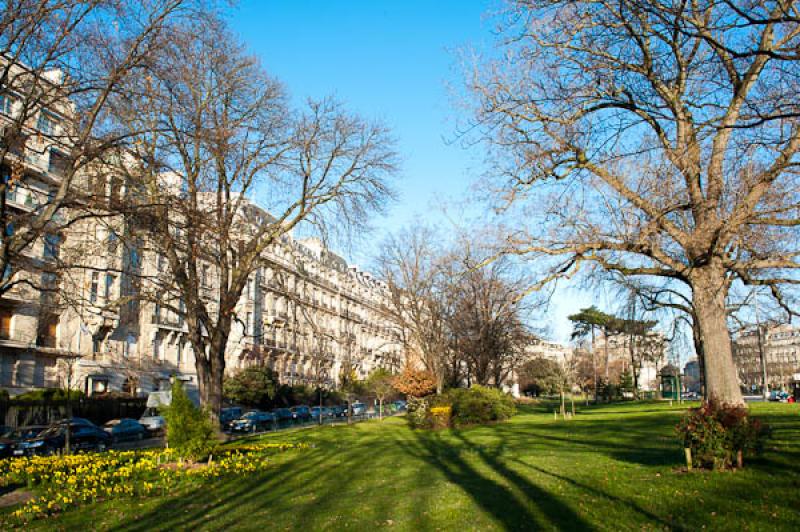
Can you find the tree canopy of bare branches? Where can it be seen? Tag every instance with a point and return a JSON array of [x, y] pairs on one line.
[[61, 62], [652, 139], [410, 263], [466, 323], [220, 168]]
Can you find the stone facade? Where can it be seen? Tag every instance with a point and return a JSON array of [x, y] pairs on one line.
[[305, 312], [781, 347], [619, 358]]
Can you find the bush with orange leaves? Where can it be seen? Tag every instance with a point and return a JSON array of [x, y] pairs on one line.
[[414, 382]]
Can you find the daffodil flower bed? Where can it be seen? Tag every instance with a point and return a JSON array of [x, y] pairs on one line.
[[65, 481]]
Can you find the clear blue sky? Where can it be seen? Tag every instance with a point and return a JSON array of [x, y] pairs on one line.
[[393, 61]]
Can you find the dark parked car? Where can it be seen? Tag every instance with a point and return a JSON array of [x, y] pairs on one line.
[[325, 411], [302, 413], [230, 414], [11, 438], [82, 438], [282, 414], [339, 411], [400, 405], [125, 429], [253, 421]]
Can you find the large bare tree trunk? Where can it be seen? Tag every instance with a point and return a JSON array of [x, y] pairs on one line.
[[709, 288]]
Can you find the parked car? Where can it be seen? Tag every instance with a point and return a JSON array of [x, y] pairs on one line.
[[82, 438], [302, 413], [359, 409], [230, 414], [12, 437], [253, 421], [152, 421], [324, 411], [339, 411], [125, 429], [77, 421], [400, 405], [282, 414], [779, 395]]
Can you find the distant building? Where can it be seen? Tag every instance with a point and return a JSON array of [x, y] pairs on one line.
[[541, 348], [781, 347], [649, 355], [692, 376]]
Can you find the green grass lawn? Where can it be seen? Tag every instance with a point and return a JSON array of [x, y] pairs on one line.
[[613, 467]]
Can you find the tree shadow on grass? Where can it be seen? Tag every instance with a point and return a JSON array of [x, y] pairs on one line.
[[590, 489], [636, 441], [289, 488], [512, 500], [221, 503]]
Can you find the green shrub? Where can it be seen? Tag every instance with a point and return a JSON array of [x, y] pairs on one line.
[[480, 405], [189, 429], [417, 413], [719, 435]]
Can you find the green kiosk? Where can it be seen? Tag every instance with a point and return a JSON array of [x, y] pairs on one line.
[[670, 382]]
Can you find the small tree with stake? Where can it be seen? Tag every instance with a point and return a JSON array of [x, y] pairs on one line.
[[380, 384], [69, 364]]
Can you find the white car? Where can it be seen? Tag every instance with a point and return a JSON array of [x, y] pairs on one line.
[[152, 421]]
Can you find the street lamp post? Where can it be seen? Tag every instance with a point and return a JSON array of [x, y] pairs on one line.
[[322, 377]]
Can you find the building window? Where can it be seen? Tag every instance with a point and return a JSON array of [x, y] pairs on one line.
[[112, 241], [48, 326], [5, 323], [97, 345], [6, 104], [157, 348], [134, 260], [98, 386], [179, 354], [115, 189], [94, 287], [58, 164], [109, 288], [51, 245], [129, 348], [204, 275], [46, 123]]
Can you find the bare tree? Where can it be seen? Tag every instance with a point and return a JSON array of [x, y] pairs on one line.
[[487, 318], [410, 264], [658, 140], [218, 134]]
